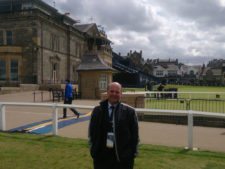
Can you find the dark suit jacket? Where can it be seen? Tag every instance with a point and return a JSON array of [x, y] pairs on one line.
[[125, 131]]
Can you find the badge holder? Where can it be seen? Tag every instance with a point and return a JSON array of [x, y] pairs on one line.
[[110, 140]]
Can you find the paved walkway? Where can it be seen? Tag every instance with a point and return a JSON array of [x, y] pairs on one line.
[[205, 138]]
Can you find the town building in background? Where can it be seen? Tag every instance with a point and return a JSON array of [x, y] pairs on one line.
[[167, 70], [135, 71], [40, 45], [213, 73], [131, 71]]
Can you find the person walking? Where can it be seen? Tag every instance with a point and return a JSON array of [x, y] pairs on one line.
[[113, 132], [68, 98]]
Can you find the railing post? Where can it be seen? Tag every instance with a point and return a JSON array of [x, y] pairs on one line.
[[42, 96], [188, 104], [34, 95], [190, 130], [172, 95], [2, 118], [55, 120]]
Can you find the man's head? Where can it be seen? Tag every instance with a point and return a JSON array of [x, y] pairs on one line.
[[114, 92], [67, 81]]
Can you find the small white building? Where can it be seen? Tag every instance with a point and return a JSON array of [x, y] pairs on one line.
[[166, 70], [191, 70]]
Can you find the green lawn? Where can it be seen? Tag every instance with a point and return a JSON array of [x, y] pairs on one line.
[[185, 88], [198, 101], [198, 105], [25, 151], [182, 88]]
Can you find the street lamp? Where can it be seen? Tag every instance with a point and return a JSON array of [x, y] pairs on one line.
[[33, 60]]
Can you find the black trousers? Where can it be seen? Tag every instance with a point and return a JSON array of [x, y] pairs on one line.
[[109, 161], [69, 101]]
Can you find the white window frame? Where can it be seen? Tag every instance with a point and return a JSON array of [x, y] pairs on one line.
[[103, 79], [14, 71], [159, 72]]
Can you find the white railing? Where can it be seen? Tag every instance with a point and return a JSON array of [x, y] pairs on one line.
[[189, 113], [140, 111], [53, 106], [189, 95]]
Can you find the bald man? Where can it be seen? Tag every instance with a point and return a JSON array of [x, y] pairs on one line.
[[113, 132]]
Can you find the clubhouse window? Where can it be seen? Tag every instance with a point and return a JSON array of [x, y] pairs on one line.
[[159, 73], [2, 70], [9, 38], [103, 82], [14, 70], [1, 38], [6, 37]]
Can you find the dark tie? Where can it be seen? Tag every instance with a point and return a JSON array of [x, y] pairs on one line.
[[111, 115]]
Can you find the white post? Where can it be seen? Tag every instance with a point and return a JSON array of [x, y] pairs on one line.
[[2, 118], [55, 120], [190, 130]]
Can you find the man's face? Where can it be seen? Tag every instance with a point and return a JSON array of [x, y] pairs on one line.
[[114, 93]]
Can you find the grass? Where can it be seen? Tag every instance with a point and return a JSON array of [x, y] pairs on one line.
[[198, 101], [183, 88], [24, 151], [174, 104]]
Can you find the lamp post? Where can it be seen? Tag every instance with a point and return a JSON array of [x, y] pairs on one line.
[[33, 60]]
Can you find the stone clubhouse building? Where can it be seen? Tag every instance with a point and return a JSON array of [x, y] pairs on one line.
[[40, 45]]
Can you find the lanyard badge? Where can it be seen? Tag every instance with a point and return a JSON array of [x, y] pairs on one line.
[[110, 140]]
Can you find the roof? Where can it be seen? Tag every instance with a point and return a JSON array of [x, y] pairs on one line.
[[172, 67], [166, 67], [84, 27], [7, 6], [159, 67], [215, 72], [124, 68], [91, 29], [93, 62]]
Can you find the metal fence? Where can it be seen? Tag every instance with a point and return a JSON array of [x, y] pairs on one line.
[[173, 101], [186, 95]]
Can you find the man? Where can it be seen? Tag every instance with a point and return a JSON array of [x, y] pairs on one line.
[[68, 97], [113, 132]]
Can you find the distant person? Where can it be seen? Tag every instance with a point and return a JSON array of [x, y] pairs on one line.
[[161, 87], [68, 98], [150, 86], [113, 132]]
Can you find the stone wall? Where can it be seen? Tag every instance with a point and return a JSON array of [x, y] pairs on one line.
[[41, 38], [89, 84]]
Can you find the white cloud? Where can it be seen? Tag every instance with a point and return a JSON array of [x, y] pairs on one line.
[[161, 29]]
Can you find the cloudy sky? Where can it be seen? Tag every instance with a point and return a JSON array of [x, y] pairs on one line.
[[191, 30]]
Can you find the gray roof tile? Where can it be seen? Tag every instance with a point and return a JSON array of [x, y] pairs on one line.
[[93, 62]]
